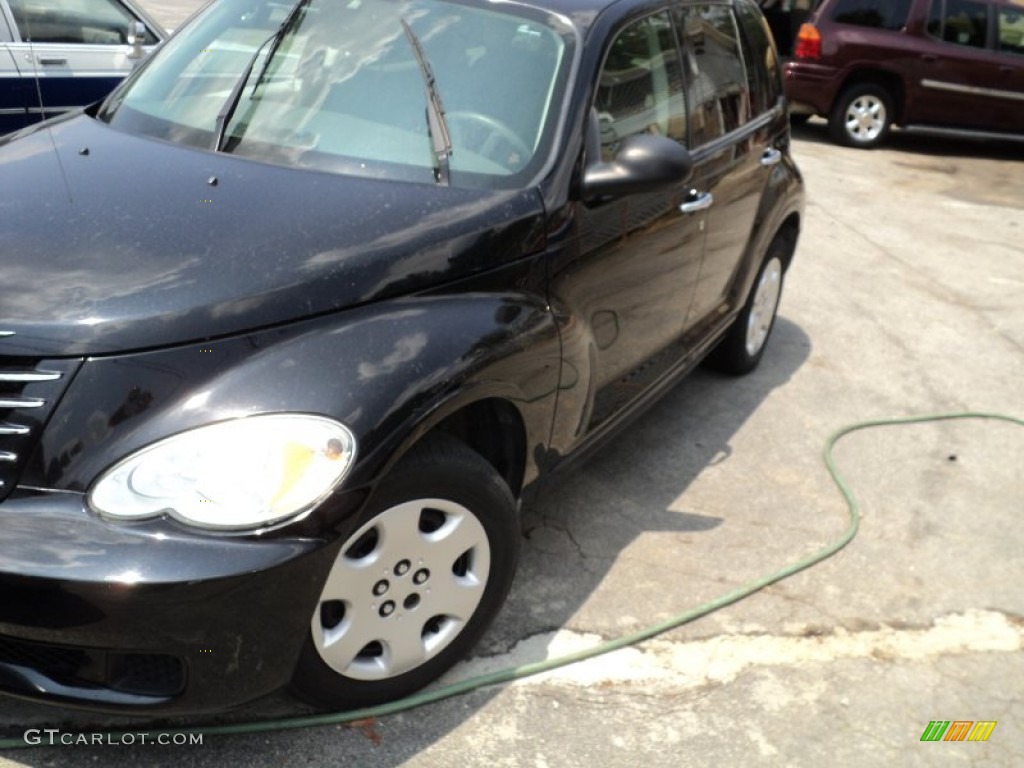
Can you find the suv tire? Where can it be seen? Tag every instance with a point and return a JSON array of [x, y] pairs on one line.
[[861, 116]]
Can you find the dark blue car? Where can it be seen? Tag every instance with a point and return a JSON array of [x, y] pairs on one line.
[[56, 55]]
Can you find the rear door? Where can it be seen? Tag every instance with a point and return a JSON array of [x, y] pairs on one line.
[[731, 137], [77, 50], [962, 81]]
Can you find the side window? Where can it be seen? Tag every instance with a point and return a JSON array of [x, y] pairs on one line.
[[100, 22], [641, 86], [719, 92], [5, 30], [880, 14], [1011, 30], [763, 74], [963, 22]]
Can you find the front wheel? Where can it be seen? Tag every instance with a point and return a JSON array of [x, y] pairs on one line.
[[414, 587], [741, 349], [862, 116]]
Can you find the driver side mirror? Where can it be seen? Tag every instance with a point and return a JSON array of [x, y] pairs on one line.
[[136, 37], [643, 163]]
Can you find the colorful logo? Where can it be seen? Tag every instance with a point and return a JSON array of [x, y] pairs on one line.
[[958, 730]]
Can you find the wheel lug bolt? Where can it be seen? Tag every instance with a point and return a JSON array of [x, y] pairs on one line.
[[387, 608], [402, 567], [380, 587], [421, 576]]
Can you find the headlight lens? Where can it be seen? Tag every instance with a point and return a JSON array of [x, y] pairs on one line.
[[246, 473]]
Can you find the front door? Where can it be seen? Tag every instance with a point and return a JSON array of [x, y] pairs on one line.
[[1010, 50], [629, 279]]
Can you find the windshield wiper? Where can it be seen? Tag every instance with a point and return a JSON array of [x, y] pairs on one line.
[[231, 104], [289, 20], [226, 111], [437, 126]]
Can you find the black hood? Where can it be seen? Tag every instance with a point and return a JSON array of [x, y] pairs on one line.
[[111, 242]]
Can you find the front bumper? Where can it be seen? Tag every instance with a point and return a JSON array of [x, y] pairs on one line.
[[151, 617]]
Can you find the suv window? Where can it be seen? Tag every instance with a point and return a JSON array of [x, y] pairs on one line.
[[641, 85], [100, 22], [1011, 30], [963, 22], [880, 14], [763, 75], [719, 93]]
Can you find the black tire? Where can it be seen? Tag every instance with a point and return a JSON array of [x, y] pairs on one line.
[[441, 485], [741, 349], [862, 116]]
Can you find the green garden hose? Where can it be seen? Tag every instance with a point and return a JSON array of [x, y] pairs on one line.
[[515, 673]]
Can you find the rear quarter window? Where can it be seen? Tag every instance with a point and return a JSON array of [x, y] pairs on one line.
[[878, 14]]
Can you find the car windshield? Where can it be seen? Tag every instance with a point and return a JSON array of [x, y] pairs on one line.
[[342, 89]]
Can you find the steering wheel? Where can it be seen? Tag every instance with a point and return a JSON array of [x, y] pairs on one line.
[[489, 137]]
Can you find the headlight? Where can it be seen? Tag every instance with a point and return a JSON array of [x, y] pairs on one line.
[[245, 473]]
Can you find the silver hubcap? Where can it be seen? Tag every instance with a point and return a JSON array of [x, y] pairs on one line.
[[865, 118], [402, 588], [762, 311]]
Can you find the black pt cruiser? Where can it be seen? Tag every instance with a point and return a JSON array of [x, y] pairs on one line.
[[293, 320]]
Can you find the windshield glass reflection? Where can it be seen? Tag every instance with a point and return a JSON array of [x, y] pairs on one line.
[[341, 90]]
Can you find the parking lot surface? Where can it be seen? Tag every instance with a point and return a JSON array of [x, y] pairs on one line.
[[904, 299]]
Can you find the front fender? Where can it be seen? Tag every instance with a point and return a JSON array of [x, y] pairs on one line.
[[389, 371]]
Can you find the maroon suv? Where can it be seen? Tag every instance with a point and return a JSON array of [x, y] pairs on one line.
[[941, 66]]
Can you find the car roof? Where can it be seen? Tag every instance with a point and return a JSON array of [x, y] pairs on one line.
[[584, 12]]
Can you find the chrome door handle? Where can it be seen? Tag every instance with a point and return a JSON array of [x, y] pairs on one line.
[[700, 203], [771, 156], [48, 62]]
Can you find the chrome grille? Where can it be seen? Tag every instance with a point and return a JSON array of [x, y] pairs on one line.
[[29, 389]]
